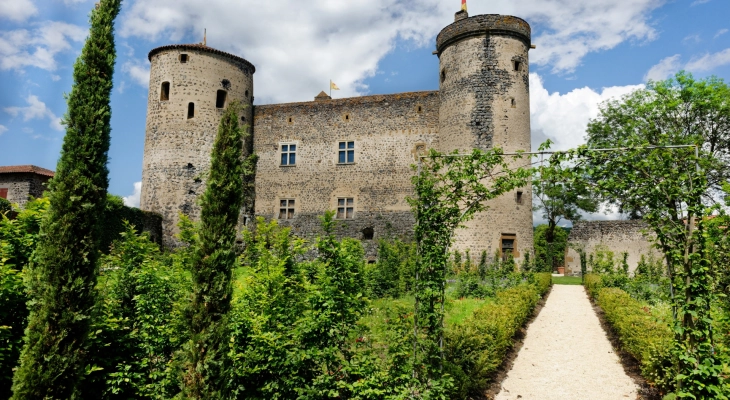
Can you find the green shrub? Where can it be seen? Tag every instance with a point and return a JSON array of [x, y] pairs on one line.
[[13, 318], [476, 348], [394, 272], [643, 335], [5, 205]]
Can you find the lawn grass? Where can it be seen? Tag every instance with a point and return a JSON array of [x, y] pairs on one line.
[[567, 280]]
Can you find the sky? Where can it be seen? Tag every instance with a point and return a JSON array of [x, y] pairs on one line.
[[588, 51]]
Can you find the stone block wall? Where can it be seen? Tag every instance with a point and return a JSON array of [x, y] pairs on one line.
[[632, 236], [388, 132], [22, 186]]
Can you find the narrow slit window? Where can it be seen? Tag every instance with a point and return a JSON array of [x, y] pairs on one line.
[[165, 91], [191, 110], [518, 198], [345, 208], [443, 75], [286, 208], [220, 99], [514, 103], [518, 65], [346, 153], [183, 58], [288, 154]]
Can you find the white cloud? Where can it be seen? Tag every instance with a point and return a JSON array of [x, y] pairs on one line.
[[70, 2], [3, 129], [297, 47], [691, 39], [666, 67], [17, 10], [38, 47], [709, 61], [133, 199], [36, 109], [698, 2], [138, 71], [720, 33], [55, 78], [563, 117]]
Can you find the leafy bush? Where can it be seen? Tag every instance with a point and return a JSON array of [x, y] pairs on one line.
[[13, 318], [394, 272], [477, 347], [5, 205]]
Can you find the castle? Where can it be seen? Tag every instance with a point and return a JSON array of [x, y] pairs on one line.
[[351, 155]]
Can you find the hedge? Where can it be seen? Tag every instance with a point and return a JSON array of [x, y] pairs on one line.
[[643, 335], [477, 347]]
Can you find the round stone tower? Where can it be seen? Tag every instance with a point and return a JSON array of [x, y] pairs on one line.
[[485, 103], [190, 86]]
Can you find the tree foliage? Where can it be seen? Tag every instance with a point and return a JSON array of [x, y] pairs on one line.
[[549, 255], [449, 190], [62, 276], [214, 260]]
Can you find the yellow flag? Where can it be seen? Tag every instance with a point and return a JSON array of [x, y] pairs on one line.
[[463, 5], [333, 86]]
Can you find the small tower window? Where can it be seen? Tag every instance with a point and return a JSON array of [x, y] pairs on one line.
[[191, 110], [243, 118], [220, 99], [518, 197], [246, 94], [165, 91], [443, 75], [518, 66], [183, 58], [514, 103], [419, 109]]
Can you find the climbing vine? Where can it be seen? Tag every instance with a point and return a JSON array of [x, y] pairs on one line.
[[450, 189]]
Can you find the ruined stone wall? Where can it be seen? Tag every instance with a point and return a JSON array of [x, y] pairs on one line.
[[22, 186], [484, 103], [387, 130], [633, 237], [177, 148]]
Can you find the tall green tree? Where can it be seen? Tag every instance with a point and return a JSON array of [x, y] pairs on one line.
[[670, 188], [62, 275], [214, 260], [549, 255], [559, 196], [450, 189]]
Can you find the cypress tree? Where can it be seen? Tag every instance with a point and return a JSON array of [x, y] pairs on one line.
[[62, 275], [214, 260]]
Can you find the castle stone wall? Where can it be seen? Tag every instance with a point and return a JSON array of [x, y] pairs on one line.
[[387, 130], [22, 186], [484, 103], [177, 148], [633, 237]]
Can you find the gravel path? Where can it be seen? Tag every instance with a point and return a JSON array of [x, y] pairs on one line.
[[566, 355]]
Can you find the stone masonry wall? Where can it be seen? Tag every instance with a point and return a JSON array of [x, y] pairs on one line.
[[484, 102], [633, 237], [177, 148], [21, 186], [388, 131]]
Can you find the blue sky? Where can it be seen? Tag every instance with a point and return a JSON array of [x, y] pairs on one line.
[[587, 51]]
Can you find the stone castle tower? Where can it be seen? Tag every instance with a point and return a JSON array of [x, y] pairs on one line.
[[190, 85], [348, 155]]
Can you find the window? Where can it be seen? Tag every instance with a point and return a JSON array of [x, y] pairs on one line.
[[514, 103], [4, 193], [191, 110], [443, 75], [518, 197], [508, 245], [518, 65], [183, 58], [346, 153], [286, 208], [288, 154], [165, 91], [220, 99], [345, 208], [368, 233]]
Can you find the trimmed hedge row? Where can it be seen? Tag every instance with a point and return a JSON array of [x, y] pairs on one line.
[[647, 338], [477, 347]]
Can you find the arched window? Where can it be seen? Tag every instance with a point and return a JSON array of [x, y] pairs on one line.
[[220, 99], [165, 91], [191, 110]]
